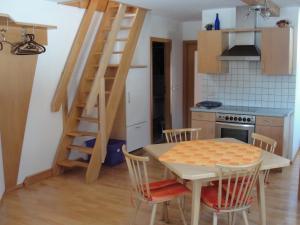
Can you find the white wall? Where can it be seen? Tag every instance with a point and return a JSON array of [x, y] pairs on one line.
[[296, 125], [160, 27], [2, 185], [227, 17], [190, 29], [44, 128]]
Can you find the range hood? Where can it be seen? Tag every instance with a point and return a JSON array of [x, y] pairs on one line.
[[244, 48], [241, 53]]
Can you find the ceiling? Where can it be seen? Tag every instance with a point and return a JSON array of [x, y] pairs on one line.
[[188, 10]]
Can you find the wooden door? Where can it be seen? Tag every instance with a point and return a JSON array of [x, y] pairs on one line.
[[168, 115], [277, 51], [189, 49]]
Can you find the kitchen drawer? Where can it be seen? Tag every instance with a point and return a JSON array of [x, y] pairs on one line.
[[204, 116], [269, 121], [137, 136]]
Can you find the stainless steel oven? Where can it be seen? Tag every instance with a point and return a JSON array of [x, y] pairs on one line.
[[235, 126]]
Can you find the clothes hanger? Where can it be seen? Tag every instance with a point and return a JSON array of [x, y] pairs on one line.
[[28, 46]]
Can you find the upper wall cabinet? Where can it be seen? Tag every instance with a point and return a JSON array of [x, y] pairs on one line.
[[277, 51], [211, 45]]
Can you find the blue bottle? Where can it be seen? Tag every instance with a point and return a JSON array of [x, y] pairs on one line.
[[217, 22]]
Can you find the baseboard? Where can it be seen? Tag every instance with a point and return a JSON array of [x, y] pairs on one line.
[[38, 177], [1, 198], [17, 187], [295, 156]]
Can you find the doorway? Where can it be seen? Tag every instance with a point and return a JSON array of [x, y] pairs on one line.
[[189, 49], [160, 88]]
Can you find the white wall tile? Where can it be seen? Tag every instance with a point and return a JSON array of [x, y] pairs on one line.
[[245, 85]]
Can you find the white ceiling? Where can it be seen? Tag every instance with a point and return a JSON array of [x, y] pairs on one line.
[[188, 10]]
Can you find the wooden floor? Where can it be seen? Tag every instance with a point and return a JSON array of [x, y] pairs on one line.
[[67, 200]]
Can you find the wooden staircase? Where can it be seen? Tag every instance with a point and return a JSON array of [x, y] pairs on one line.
[[100, 90]]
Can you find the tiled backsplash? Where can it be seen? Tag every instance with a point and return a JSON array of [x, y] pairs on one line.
[[245, 85]]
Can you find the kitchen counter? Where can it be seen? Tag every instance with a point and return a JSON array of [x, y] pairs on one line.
[[256, 111]]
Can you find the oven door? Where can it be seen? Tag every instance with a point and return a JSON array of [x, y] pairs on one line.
[[241, 132]]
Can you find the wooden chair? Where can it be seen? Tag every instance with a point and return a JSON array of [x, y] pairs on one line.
[[152, 193], [267, 144], [179, 135], [233, 192]]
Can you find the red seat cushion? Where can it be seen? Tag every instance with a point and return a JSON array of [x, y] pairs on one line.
[[169, 193], [166, 190], [209, 195], [162, 184]]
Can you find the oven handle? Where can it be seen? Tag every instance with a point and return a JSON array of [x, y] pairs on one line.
[[236, 125]]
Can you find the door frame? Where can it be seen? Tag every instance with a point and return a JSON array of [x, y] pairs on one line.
[[185, 94], [168, 102]]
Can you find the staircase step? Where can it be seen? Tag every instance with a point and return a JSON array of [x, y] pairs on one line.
[[82, 105], [82, 134], [125, 28], [72, 163], [117, 65], [106, 78], [82, 149], [122, 39], [88, 119], [121, 28], [106, 92], [127, 16], [116, 52]]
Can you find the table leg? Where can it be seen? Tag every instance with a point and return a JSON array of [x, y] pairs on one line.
[[261, 198], [196, 194]]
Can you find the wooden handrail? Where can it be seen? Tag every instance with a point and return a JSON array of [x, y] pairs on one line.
[[104, 61], [61, 91]]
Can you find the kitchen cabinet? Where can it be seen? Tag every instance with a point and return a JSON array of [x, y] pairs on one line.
[[132, 121], [276, 128], [277, 51], [211, 45], [206, 121]]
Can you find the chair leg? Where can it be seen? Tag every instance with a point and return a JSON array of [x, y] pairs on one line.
[[183, 203], [165, 212], [215, 219], [153, 214], [230, 218], [233, 218], [181, 212], [139, 202], [245, 217]]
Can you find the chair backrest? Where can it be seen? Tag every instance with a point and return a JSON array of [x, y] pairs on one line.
[[236, 184], [178, 135], [266, 143], [138, 173]]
